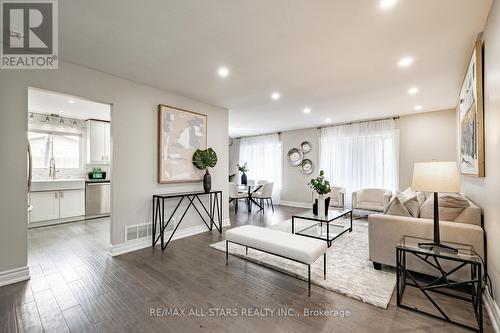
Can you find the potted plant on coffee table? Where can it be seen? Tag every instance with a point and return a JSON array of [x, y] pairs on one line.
[[321, 188], [204, 159]]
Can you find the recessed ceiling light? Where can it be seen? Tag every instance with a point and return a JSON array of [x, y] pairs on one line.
[[307, 110], [418, 107], [71, 101], [413, 90], [328, 120], [223, 71], [386, 4], [405, 62], [275, 96]]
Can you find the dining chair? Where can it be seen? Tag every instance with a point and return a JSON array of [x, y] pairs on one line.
[[265, 195], [234, 195], [262, 182]]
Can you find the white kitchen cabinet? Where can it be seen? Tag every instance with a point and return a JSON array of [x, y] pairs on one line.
[[71, 203], [45, 206], [98, 142], [56, 205], [107, 142]]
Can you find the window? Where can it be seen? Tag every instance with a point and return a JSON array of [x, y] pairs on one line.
[[361, 155], [265, 160], [64, 148]]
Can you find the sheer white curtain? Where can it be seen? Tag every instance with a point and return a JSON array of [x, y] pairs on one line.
[[264, 156], [361, 155]]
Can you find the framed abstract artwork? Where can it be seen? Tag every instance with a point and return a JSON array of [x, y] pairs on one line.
[[471, 116], [180, 134]]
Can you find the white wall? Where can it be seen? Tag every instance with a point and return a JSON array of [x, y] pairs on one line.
[[134, 135], [295, 188], [423, 137], [485, 192]]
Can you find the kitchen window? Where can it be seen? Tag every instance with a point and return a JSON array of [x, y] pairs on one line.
[[64, 148]]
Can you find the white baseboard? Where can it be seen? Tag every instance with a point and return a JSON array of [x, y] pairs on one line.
[[294, 204], [144, 242], [14, 275], [493, 311]]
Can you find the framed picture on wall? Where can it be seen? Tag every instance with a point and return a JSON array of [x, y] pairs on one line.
[[471, 116], [180, 134]]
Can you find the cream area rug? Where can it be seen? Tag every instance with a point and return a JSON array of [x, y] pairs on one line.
[[349, 272]]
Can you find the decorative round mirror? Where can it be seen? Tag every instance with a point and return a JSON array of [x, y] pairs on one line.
[[305, 147], [294, 157], [306, 167]]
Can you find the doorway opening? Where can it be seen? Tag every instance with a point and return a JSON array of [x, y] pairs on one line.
[[70, 179]]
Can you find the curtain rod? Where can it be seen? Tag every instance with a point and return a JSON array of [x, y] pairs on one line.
[[358, 122], [252, 136], [320, 127]]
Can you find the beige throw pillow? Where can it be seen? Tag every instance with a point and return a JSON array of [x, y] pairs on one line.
[[410, 200], [395, 207], [450, 206]]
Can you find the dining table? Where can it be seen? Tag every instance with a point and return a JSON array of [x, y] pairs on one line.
[[250, 190]]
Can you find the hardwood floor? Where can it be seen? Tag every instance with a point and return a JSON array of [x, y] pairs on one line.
[[76, 287]]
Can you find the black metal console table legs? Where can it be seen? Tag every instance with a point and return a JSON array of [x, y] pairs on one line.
[[159, 224]]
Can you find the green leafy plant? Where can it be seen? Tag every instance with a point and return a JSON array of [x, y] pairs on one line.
[[320, 184], [204, 159], [243, 168]]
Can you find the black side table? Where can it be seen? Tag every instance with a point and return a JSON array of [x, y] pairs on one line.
[[465, 259]]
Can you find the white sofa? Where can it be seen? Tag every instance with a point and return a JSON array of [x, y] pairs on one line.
[[385, 231], [373, 199]]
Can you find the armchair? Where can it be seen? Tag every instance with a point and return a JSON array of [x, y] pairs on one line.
[[373, 199], [337, 196]]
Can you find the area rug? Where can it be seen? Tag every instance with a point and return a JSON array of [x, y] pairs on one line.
[[349, 272]]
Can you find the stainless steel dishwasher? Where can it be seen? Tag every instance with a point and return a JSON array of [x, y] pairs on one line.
[[97, 198]]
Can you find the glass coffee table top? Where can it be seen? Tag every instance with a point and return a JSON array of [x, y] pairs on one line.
[[333, 214]]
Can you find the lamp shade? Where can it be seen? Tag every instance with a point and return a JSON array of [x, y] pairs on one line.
[[436, 177]]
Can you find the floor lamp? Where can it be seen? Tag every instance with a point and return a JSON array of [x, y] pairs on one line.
[[436, 177]]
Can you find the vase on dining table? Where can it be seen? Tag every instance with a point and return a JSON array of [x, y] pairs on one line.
[[244, 180]]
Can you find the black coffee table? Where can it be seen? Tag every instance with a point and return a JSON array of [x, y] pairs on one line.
[[327, 228]]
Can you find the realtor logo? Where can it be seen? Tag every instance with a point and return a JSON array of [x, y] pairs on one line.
[[29, 34]]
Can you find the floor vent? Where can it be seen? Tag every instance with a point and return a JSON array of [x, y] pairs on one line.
[[133, 232]]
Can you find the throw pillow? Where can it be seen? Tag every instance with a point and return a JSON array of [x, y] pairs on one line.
[[409, 199], [395, 207], [450, 206], [413, 206], [409, 193]]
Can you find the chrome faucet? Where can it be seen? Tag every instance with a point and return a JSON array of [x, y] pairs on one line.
[[52, 168]]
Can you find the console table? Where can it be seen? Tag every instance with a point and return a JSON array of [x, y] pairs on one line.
[[159, 225], [468, 290]]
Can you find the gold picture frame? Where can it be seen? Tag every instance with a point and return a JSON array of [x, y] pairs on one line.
[[180, 133], [471, 117]]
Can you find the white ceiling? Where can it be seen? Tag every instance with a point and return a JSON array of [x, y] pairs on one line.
[[48, 102], [337, 57]]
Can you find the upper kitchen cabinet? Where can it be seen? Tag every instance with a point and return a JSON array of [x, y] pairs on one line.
[[98, 142]]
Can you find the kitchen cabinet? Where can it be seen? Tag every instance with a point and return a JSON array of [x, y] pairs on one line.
[[71, 203], [45, 206], [98, 142], [54, 205]]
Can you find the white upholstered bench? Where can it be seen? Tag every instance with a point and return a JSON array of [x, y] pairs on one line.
[[282, 244]]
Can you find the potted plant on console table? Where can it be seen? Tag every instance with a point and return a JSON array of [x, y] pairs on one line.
[[204, 159], [321, 199]]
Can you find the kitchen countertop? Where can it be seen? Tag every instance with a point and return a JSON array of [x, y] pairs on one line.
[[98, 180], [57, 184]]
